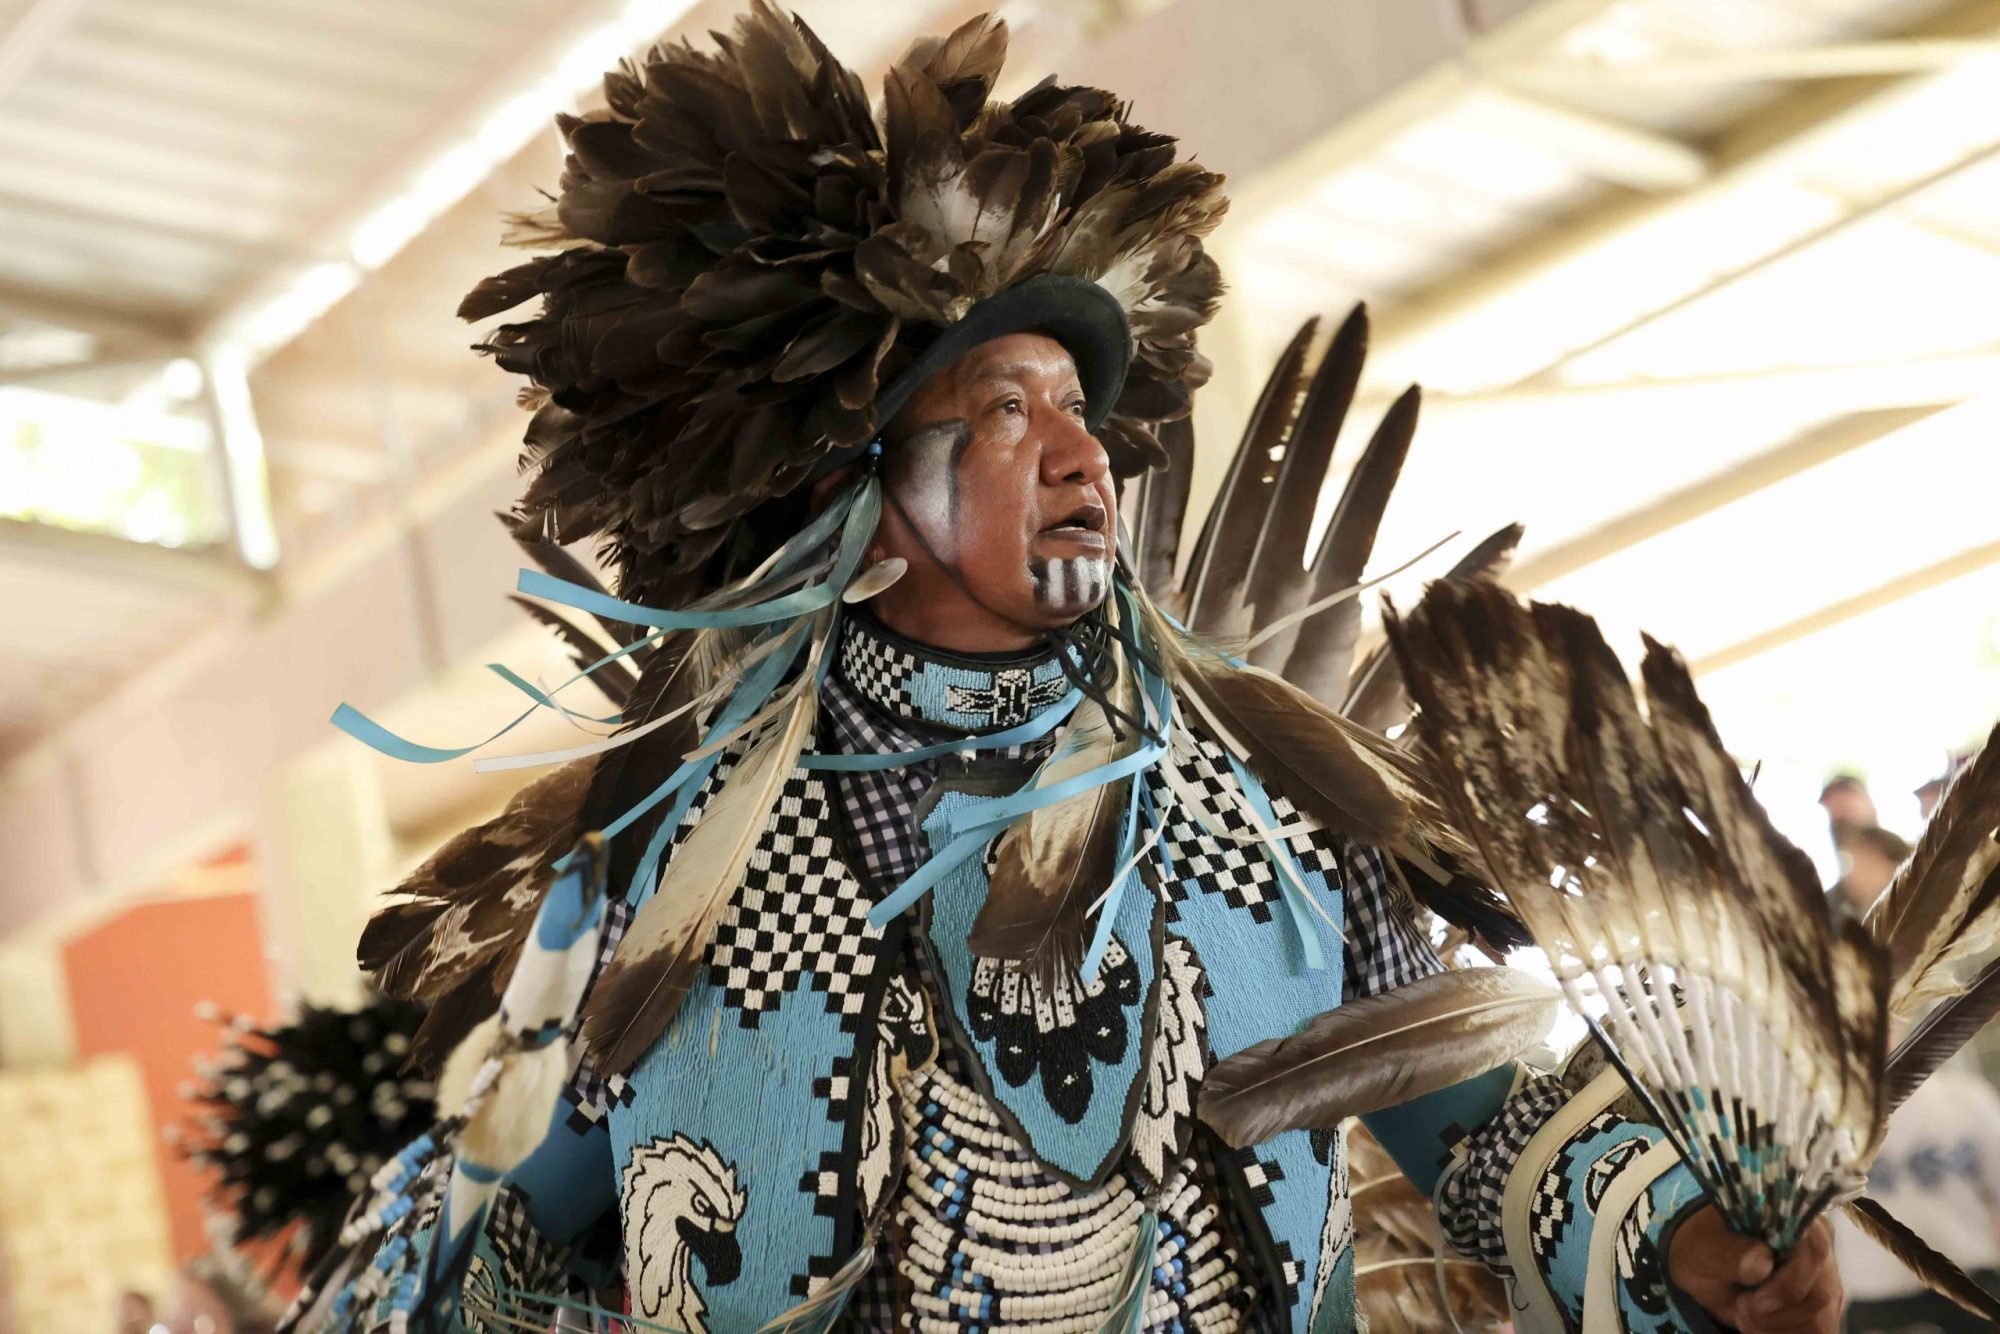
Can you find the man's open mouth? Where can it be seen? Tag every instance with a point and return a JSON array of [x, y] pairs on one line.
[[1084, 519]]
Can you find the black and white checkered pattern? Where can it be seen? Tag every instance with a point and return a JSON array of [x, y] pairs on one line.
[[798, 914], [591, 1096], [878, 803], [1470, 1196]]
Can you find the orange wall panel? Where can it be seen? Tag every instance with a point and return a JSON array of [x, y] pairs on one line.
[[134, 983]]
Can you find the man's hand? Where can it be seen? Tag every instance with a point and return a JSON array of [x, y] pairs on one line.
[[1732, 1278]]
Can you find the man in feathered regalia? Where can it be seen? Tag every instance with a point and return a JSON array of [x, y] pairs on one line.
[[876, 971]]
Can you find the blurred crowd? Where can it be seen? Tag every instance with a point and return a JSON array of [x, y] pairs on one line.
[[1939, 1169]]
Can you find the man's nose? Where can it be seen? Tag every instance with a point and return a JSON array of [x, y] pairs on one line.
[[1071, 454]]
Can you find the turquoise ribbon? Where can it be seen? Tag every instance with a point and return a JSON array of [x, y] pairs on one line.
[[981, 821], [854, 515]]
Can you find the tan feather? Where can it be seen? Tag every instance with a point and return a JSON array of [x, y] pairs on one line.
[[1377, 1052], [1394, 1221], [660, 958], [1943, 907]]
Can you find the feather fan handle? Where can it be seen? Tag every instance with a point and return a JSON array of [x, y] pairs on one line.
[[1639, 860], [1943, 907], [1935, 1271], [1377, 1052]]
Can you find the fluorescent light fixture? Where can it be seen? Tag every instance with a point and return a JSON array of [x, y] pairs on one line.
[[285, 315]]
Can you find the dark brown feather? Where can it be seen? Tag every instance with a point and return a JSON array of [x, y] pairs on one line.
[[1375, 695], [1377, 1052], [476, 896], [1324, 650], [1935, 1271], [1221, 557], [1305, 750], [614, 679], [1278, 579], [1467, 903], [1941, 1035], [1163, 506]]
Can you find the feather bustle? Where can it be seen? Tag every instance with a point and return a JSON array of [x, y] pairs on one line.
[[1278, 579]]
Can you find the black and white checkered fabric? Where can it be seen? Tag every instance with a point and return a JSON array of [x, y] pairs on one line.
[[1470, 1195], [799, 914], [878, 803]]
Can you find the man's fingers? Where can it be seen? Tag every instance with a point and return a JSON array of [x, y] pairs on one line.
[[1786, 1288], [1820, 1311]]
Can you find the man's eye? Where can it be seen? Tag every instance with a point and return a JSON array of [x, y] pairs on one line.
[[1011, 406], [1077, 407]]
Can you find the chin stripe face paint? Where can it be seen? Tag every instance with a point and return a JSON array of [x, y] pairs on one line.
[[1071, 586]]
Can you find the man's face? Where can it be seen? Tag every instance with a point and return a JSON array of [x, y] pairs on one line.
[[989, 474]]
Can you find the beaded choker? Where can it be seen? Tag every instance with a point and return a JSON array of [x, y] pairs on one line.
[[961, 693]]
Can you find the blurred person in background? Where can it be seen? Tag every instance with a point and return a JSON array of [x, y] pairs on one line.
[[1849, 809], [1939, 1172], [1871, 857]]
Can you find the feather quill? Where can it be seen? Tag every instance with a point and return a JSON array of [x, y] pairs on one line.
[[1943, 907], [1935, 1271], [660, 958], [1378, 1051]]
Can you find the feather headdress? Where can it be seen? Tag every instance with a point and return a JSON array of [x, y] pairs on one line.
[[743, 258]]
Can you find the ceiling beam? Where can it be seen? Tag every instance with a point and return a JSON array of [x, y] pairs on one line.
[[30, 34], [1834, 60], [1746, 478], [1883, 203], [1882, 595], [1750, 152], [130, 330], [1917, 381]]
